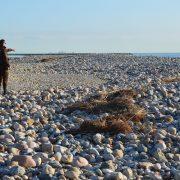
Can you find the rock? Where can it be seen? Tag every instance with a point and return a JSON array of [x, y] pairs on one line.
[[80, 162], [97, 138], [94, 151], [99, 172], [43, 177], [107, 151], [177, 157], [47, 147], [72, 174], [58, 156], [43, 156], [44, 139], [108, 165], [38, 161], [32, 144], [155, 175], [22, 146], [13, 163], [115, 175], [18, 127], [67, 158], [177, 175], [8, 178], [119, 145], [169, 155], [161, 145], [14, 151], [107, 171], [61, 149], [47, 169], [132, 136], [30, 122], [159, 155], [168, 118], [172, 130], [108, 157], [2, 148], [157, 166], [142, 148], [118, 153], [145, 165], [164, 91], [128, 172], [17, 170], [24, 161]]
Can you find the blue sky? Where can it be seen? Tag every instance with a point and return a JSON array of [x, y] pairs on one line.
[[32, 26]]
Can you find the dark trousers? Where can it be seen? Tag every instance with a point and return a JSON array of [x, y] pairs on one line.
[[4, 79]]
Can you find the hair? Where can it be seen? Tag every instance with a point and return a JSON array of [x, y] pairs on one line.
[[2, 41]]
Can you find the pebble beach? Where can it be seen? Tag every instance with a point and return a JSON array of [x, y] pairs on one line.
[[33, 139]]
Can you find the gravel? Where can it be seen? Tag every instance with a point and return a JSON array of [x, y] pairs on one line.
[[33, 142]]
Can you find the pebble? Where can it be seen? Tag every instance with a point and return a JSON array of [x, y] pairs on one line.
[[172, 130], [80, 162], [132, 136], [108, 157], [118, 153], [17, 170], [97, 138], [47, 147], [115, 175], [47, 169], [128, 173], [72, 174], [24, 161], [67, 158], [159, 155], [58, 156], [161, 145]]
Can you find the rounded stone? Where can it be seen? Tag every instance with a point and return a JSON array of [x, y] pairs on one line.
[[24, 161], [74, 175], [97, 138], [172, 130], [17, 170], [118, 153], [67, 158], [80, 162], [58, 156], [47, 169], [47, 147]]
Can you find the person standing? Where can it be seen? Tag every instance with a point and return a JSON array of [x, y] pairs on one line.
[[4, 65]]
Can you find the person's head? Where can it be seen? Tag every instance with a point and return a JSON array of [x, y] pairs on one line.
[[2, 42]]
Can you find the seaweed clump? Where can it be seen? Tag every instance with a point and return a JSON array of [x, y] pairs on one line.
[[121, 107]]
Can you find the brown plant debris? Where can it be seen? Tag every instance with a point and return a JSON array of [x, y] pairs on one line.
[[109, 124], [48, 59], [171, 79], [119, 104]]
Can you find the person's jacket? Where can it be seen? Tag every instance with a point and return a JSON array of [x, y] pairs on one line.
[[4, 62]]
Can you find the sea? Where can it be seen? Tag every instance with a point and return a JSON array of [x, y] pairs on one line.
[[170, 55]]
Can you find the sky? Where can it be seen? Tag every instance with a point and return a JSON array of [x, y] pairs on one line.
[[43, 26]]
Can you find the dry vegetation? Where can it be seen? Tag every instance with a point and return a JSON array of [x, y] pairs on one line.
[[48, 59], [170, 79], [121, 108]]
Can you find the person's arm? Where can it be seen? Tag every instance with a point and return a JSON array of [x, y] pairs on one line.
[[9, 49]]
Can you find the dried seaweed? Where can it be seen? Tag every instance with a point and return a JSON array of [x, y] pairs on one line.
[[119, 104]]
